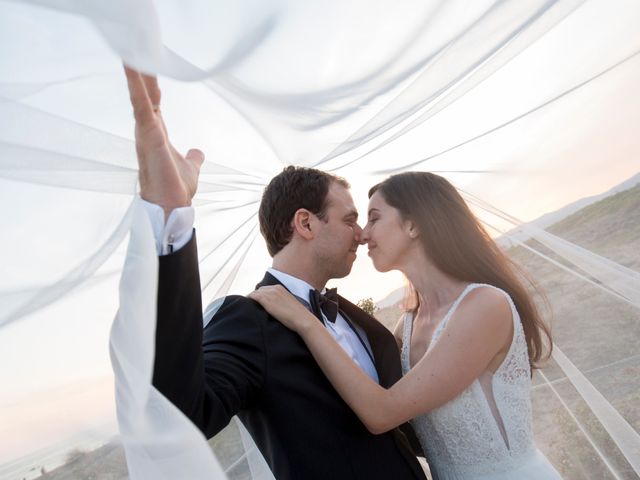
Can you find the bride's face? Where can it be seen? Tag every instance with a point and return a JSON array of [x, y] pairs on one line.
[[387, 235]]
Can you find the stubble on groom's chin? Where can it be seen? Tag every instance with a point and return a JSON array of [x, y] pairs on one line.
[[347, 266], [334, 267], [337, 271]]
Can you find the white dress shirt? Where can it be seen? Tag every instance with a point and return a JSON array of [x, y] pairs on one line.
[[173, 234], [340, 329], [176, 232]]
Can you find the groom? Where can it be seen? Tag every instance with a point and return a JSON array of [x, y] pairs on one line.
[[244, 362]]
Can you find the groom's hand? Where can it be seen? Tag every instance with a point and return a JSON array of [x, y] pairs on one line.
[[166, 177]]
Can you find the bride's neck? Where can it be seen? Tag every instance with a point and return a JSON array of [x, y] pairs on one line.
[[435, 288]]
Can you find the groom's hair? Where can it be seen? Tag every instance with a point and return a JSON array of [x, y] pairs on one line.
[[292, 189]]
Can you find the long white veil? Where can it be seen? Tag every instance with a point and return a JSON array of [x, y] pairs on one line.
[[528, 107]]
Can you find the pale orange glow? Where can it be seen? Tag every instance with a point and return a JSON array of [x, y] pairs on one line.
[[51, 416]]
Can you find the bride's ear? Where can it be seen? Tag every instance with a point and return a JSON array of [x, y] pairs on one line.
[[302, 223], [412, 230]]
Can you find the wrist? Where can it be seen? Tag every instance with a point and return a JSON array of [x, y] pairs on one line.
[[167, 207], [307, 328]]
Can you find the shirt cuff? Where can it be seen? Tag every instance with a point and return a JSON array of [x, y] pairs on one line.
[[173, 234]]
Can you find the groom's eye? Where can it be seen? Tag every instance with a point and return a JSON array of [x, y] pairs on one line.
[[351, 220]]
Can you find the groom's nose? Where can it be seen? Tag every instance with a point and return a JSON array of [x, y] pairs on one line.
[[358, 235]]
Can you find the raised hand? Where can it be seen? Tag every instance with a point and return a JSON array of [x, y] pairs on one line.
[[166, 177]]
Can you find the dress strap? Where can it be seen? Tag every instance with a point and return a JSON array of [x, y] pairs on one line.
[[469, 288], [455, 304], [407, 327]]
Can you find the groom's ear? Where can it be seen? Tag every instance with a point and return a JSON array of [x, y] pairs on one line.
[[301, 223]]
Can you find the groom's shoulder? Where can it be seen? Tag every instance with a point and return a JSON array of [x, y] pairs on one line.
[[238, 307], [242, 302], [235, 319]]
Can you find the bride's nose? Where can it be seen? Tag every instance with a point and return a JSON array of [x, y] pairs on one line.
[[364, 235]]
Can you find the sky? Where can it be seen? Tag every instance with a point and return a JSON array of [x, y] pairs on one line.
[[581, 144]]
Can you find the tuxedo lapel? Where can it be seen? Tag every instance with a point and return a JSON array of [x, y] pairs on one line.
[[383, 345], [269, 279]]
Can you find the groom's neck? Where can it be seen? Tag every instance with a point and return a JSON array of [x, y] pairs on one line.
[[299, 266]]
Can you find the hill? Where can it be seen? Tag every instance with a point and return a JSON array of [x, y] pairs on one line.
[[598, 332]]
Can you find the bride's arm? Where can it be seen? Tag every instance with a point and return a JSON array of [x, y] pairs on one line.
[[480, 329]]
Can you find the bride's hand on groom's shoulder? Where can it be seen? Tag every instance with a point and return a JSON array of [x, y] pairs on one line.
[[283, 306]]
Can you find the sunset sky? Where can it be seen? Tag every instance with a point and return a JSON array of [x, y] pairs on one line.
[[55, 364]]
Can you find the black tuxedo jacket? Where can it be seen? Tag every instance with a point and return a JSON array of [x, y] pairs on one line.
[[245, 362]]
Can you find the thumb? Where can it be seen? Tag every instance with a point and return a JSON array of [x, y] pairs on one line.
[[195, 155]]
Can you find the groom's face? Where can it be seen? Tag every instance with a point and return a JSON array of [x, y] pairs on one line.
[[339, 234]]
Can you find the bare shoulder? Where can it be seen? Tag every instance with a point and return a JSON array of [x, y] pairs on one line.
[[485, 308]]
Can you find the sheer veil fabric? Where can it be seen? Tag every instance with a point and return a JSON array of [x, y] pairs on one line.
[[526, 107]]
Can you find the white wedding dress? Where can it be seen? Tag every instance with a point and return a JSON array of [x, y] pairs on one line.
[[485, 432]]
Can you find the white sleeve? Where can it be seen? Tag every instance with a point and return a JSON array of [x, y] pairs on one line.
[[173, 234]]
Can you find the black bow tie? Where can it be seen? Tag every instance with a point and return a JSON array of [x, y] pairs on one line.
[[327, 303]]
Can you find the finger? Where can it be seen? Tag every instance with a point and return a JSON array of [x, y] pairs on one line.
[[142, 108], [255, 295], [151, 84], [196, 156]]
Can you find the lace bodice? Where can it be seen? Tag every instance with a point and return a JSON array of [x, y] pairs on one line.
[[463, 438]]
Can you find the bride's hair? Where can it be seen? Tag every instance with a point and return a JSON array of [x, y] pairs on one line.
[[459, 246]]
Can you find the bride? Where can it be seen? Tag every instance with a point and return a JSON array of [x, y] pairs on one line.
[[468, 346]]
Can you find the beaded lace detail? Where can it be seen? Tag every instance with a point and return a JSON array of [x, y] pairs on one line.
[[462, 438]]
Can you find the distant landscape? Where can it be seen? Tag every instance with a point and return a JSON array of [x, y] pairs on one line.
[[599, 333]]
